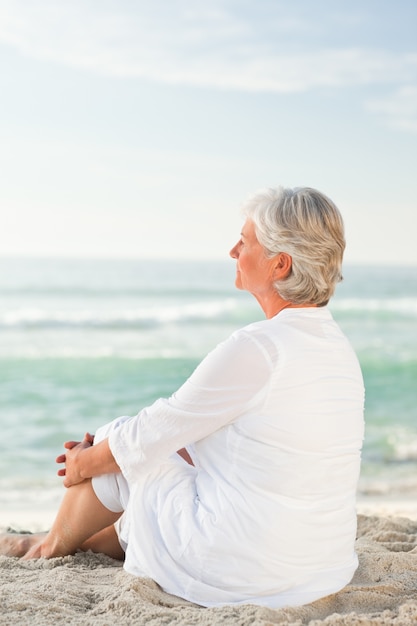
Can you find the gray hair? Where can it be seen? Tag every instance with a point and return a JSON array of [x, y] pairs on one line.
[[305, 224]]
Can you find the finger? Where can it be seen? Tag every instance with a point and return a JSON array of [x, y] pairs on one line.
[[69, 445], [61, 458], [89, 438]]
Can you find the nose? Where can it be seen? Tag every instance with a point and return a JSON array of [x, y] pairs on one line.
[[234, 252]]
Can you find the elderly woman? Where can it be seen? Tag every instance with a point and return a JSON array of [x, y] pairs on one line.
[[258, 505]]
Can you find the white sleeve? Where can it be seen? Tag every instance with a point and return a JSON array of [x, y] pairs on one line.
[[223, 387]]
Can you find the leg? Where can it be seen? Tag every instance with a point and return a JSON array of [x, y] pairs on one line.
[[105, 541], [81, 515], [17, 544], [184, 454], [78, 523], [27, 545]]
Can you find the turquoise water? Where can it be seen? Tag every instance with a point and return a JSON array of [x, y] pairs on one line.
[[82, 342]]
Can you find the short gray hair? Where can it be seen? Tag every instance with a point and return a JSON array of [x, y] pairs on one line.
[[308, 226]]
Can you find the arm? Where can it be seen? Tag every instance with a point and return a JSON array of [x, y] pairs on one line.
[[83, 460], [226, 384]]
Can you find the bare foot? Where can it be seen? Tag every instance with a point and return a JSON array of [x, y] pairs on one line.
[[19, 544], [36, 549]]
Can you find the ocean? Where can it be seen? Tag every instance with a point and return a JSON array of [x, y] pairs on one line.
[[83, 341]]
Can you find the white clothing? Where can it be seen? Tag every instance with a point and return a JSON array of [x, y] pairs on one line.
[[273, 420]]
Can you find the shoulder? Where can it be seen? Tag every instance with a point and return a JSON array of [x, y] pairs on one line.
[[242, 364], [291, 329], [258, 338], [247, 349]]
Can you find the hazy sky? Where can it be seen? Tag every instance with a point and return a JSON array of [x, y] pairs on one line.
[[137, 127]]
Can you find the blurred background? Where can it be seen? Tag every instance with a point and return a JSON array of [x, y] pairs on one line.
[[130, 133], [138, 128]]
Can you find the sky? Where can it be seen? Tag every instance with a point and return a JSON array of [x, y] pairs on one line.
[[131, 128]]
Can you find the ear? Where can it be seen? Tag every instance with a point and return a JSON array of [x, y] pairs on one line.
[[283, 265]]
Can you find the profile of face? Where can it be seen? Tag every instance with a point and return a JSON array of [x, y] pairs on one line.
[[255, 272]]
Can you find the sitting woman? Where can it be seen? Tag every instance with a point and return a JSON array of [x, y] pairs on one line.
[[258, 505]]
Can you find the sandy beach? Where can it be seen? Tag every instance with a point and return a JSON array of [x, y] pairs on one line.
[[94, 589]]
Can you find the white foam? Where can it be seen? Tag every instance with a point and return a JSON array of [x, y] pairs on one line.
[[405, 306], [126, 316]]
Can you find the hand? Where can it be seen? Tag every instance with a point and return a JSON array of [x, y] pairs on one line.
[[72, 459]]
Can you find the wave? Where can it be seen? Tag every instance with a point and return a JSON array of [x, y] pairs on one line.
[[222, 309], [399, 452], [78, 353], [402, 306], [107, 292], [388, 485], [194, 313], [390, 443]]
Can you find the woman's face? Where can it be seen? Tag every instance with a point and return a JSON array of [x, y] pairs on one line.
[[254, 271]]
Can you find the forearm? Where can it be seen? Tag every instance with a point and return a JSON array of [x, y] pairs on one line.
[[96, 460]]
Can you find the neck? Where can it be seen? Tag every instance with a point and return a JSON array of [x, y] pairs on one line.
[[274, 305]]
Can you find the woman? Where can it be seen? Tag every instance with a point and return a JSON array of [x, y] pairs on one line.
[[258, 506]]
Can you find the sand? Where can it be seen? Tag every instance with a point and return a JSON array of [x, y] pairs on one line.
[[93, 589]]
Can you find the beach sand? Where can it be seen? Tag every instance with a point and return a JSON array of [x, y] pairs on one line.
[[93, 589]]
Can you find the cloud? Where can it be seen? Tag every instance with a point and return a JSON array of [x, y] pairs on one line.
[[217, 45], [399, 109]]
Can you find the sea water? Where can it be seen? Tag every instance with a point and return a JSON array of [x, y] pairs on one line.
[[83, 341]]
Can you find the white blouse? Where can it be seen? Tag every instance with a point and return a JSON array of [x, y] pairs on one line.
[[273, 420]]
